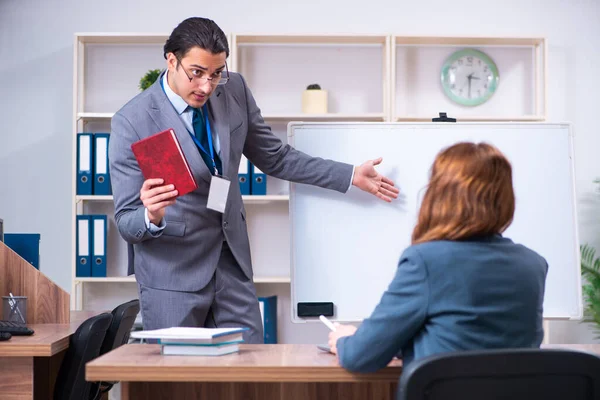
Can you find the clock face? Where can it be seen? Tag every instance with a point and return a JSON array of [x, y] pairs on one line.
[[469, 77]]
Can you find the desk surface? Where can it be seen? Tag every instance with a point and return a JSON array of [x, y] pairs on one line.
[[47, 340], [254, 363]]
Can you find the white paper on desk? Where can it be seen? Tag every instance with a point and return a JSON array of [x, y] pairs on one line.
[[185, 333]]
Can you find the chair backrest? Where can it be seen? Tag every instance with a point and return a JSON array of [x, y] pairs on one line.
[[118, 334], [84, 346], [123, 319], [515, 374]]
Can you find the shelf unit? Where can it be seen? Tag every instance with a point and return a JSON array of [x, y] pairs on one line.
[[275, 69], [417, 95], [90, 111], [131, 279], [247, 199]]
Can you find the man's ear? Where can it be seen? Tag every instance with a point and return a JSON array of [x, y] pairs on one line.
[[171, 61]]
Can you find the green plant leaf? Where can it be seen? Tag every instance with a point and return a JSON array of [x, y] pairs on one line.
[[149, 78], [590, 271]]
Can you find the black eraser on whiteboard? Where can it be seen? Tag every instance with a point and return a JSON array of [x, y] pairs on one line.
[[315, 309], [443, 118]]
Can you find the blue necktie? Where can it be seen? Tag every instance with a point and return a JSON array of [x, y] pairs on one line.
[[201, 133]]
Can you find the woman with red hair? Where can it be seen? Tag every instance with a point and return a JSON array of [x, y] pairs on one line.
[[461, 285]]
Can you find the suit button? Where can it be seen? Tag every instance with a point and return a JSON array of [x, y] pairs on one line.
[[225, 224]]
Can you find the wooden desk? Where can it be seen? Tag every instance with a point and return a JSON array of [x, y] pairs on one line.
[[39, 355], [258, 372]]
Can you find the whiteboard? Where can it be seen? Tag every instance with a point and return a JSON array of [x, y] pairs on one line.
[[345, 248]]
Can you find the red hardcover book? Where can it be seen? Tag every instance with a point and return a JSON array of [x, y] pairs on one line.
[[160, 156]]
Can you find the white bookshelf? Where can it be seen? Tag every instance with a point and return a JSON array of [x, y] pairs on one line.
[[100, 87]]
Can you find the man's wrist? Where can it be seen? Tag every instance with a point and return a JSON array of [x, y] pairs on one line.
[[353, 178], [154, 220], [150, 219]]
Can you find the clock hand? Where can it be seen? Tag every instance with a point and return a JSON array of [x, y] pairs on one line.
[[470, 77]]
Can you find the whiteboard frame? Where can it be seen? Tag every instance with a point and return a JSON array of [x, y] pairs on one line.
[[292, 125]]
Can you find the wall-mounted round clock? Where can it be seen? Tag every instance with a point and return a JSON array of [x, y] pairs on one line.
[[469, 77]]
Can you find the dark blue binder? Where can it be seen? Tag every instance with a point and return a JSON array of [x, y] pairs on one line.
[[268, 310], [98, 248], [26, 245], [85, 163], [259, 181], [101, 185], [83, 242], [244, 175]]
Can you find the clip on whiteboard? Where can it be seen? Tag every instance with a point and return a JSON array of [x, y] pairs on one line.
[[315, 309], [443, 118]]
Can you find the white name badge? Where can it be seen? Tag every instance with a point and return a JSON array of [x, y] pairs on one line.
[[217, 194]]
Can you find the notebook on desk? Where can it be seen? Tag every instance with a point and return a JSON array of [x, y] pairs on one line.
[[195, 341], [186, 335]]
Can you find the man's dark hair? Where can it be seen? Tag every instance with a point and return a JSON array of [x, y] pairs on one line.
[[196, 32]]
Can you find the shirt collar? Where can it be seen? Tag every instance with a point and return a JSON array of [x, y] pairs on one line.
[[178, 103]]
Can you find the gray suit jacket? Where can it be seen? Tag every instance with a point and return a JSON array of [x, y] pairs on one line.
[[483, 293], [184, 255]]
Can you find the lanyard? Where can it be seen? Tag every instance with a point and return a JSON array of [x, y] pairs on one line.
[[211, 151], [208, 132]]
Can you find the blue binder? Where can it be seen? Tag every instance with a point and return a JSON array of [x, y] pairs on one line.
[[268, 311], [101, 174], [98, 245], [83, 241], [26, 245], [244, 175], [259, 181], [84, 164]]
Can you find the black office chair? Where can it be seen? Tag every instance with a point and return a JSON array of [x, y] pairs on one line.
[[118, 334], [84, 346], [510, 374]]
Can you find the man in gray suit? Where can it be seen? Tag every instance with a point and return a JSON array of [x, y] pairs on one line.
[[192, 263]]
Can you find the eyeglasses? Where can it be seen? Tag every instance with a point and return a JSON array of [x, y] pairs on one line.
[[217, 78]]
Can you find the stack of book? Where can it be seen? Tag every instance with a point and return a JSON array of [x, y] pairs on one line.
[[195, 341]]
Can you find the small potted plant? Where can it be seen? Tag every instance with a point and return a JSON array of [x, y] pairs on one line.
[[149, 78], [314, 100]]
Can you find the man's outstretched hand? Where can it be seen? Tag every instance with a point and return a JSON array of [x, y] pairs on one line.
[[368, 179]]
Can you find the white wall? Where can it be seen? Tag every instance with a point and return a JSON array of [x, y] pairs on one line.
[[36, 38]]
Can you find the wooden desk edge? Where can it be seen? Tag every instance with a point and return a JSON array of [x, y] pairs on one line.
[[27, 346], [276, 374], [25, 349]]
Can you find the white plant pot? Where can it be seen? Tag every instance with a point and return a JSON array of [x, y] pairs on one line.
[[314, 101]]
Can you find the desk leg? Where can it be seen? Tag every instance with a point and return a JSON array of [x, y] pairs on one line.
[[45, 373], [257, 391], [16, 378]]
